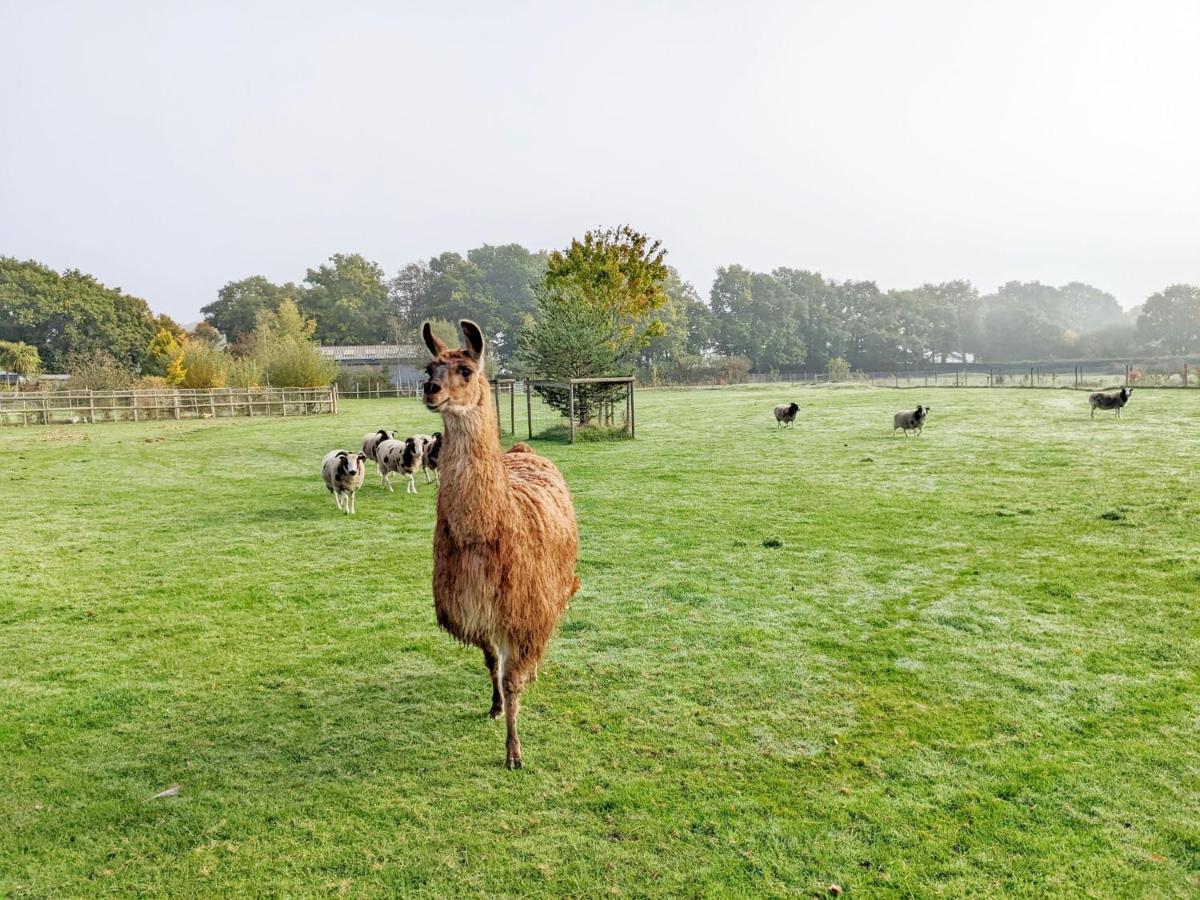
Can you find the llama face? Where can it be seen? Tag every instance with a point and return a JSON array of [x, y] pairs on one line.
[[454, 381]]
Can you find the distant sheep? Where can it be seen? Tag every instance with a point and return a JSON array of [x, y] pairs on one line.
[[1110, 401], [910, 420], [785, 414], [344, 472], [370, 445], [404, 457]]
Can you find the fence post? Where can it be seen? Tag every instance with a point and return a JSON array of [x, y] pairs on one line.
[[529, 407], [1185, 381], [632, 412], [571, 411]]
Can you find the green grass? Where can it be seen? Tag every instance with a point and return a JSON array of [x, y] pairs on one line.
[[965, 663]]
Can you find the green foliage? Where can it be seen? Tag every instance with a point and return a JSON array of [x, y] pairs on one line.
[[243, 372], [493, 286], [348, 300], [71, 314], [689, 369], [99, 370], [618, 274], [20, 358], [238, 305], [838, 369], [204, 366], [1171, 319], [297, 364]]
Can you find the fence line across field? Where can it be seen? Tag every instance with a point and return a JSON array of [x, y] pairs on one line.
[[75, 406]]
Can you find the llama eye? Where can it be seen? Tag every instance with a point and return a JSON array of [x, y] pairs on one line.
[[464, 371]]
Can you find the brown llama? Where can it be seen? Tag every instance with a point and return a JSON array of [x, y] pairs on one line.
[[506, 542]]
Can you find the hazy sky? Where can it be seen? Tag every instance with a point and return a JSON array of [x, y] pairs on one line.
[[170, 147]]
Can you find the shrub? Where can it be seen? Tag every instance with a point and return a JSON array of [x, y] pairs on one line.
[[707, 370], [99, 370], [839, 369], [203, 365], [153, 383], [243, 373], [292, 363]]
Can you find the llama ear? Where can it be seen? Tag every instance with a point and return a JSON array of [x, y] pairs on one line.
[[436, 347], [472, 339]]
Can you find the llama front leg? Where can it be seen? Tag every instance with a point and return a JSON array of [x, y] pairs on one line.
[[493, 667]]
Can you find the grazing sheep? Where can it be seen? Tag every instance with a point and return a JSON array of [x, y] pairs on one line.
[[785, 414], [1110, 401], [403, 457], [506, 542], [370, 445], [433, 451], [344, 472], [910, 421]]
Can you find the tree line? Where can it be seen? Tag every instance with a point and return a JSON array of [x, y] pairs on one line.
[[785, 320], [616, 286]]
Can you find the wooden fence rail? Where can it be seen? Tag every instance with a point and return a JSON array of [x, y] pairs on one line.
[[78, 407]]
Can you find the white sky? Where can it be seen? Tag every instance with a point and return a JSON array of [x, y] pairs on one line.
[[169, 147]]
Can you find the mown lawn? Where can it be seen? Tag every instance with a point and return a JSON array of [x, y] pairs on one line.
[[970, 667]]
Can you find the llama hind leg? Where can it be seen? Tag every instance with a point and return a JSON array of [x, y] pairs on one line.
[[493, 667]]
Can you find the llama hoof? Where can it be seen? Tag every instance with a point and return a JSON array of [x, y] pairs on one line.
[[513, 762], [496, 712]]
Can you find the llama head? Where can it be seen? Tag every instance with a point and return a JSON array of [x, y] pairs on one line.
[[454, 380]]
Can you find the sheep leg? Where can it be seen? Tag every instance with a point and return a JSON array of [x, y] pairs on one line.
[[489, 659], [428, 480], [387, 483], [350, 501], [412, 484], [337, 499]]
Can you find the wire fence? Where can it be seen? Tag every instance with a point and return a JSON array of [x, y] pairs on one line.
[[75, 407], [1082, 375], [569, 410]]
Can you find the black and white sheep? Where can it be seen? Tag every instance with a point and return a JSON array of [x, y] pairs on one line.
[[1110, 401], [910, 420], [785, 414], [404, 457], [433, 451], [370, 446], [344, 472]]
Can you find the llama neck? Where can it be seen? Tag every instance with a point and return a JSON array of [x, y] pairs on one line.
[[474, 496]]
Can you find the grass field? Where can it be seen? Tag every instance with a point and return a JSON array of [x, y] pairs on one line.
[[960, 664]]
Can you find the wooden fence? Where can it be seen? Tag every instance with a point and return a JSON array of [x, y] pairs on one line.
[[78, 407]]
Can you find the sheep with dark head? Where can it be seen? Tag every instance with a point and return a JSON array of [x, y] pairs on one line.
[[370, 446], [433, 451], [344, 472], [910, 420], [1115, 401], [404, 457], [785, 414]]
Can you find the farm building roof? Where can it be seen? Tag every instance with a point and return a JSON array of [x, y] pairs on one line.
[[364, 352]]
